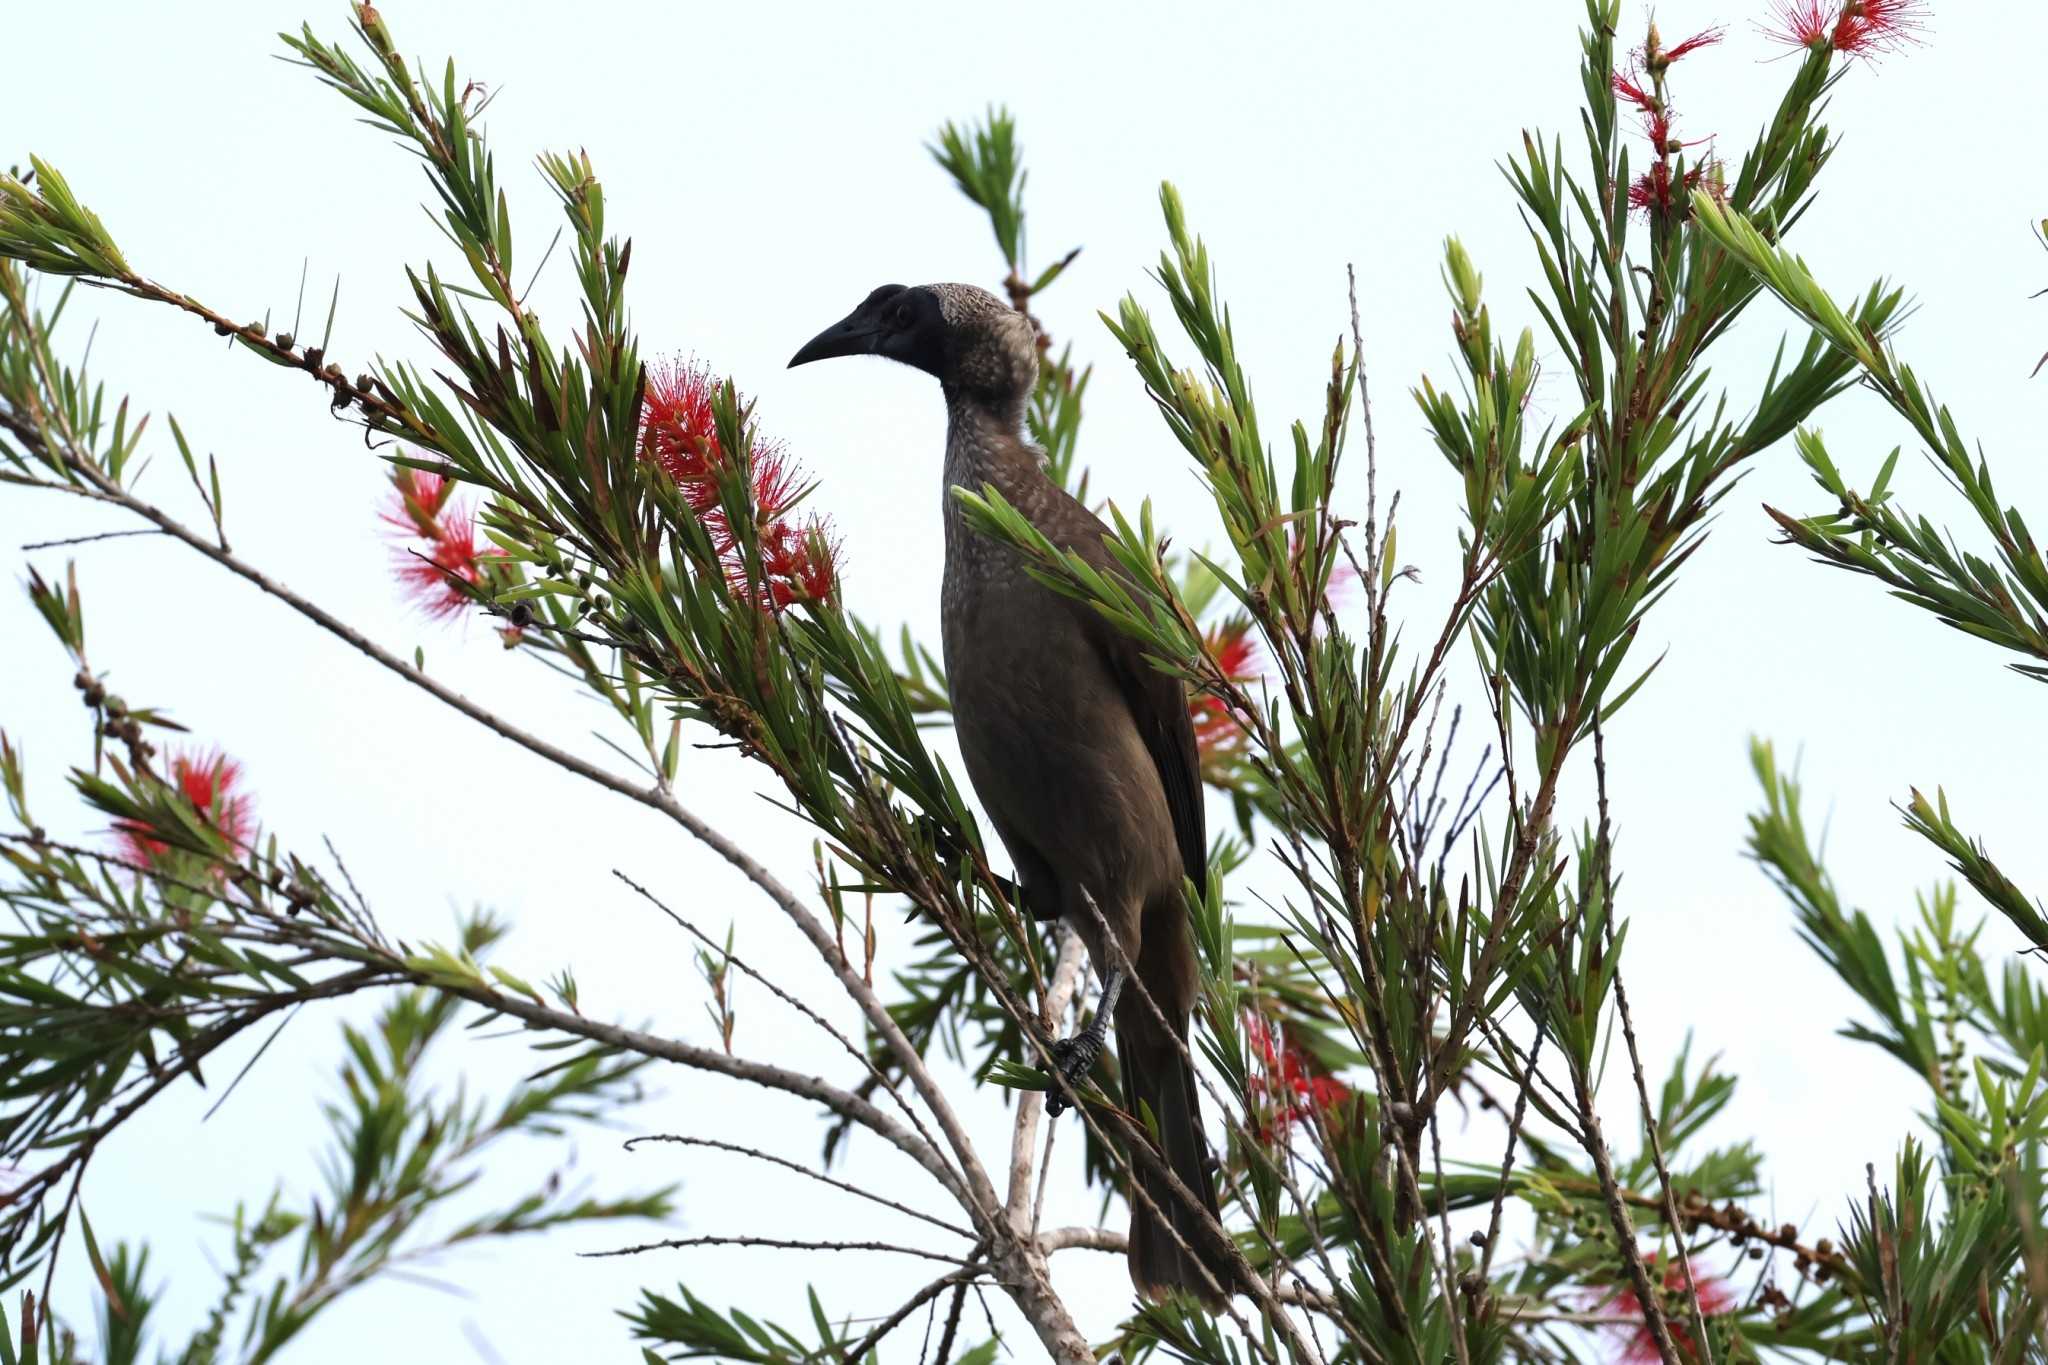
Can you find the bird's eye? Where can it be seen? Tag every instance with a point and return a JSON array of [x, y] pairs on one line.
[[900, 316]]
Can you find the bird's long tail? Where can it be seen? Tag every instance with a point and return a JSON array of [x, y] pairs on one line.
[[1157, 1076]]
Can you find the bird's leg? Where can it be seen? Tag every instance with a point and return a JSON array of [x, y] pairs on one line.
[[1075, 1056]]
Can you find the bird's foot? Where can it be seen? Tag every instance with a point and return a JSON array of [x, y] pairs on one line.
[[1074, 1058]]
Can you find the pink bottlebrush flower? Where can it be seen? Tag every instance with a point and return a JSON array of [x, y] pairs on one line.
[[678, 432], [1638, 1346], [1344, 582], [1854, 28], [436, 551], [209, 780]]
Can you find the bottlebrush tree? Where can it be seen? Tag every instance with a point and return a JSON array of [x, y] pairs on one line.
[[625, 517]]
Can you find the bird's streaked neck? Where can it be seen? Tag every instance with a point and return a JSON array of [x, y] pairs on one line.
[[979, 429], [984, 444]]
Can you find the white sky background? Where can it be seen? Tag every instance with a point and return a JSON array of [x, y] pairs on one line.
[[767, 162]]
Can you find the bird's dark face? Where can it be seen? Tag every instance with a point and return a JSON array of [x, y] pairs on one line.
[[964, 337]]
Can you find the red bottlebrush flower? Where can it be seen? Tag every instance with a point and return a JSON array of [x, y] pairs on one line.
[[778, 484], [1657, 128], [1854, 28], [1658, 117], [1867, 27], [1630, 87], [679, 433], [421, 494], [800, 563], [678, 430], [1651, 190], [1693, 44], [1655, 191], [817, 568], [437, 552], [209, 781], [1638, 1345], [1288, 1080], [1235, 652], [1801, 23]]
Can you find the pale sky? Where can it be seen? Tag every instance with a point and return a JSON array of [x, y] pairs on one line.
[[767, 162]]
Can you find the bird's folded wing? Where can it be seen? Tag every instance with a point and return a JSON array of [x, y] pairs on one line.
[[1159, 705], [1157, 700]]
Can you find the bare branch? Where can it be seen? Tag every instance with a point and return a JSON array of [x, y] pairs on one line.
[[1060, 989], [1093, 1239]]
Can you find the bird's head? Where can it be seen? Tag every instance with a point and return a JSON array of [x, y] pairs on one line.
[[966, 338]]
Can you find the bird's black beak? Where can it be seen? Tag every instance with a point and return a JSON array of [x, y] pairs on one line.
[[851, 335]]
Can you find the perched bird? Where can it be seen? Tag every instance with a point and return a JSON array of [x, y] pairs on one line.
[[1080, 750]]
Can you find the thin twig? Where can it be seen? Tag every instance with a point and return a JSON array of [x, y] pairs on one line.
[[87, 540], [772, 1243], [801, 1170], [1635, 1056], [1443, 1212], [880, 1078], [1507, 1160], [952, 1323]]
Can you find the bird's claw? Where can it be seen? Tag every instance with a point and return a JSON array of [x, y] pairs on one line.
[[1074, 1058]]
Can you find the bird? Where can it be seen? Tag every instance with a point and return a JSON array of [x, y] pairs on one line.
[[1081, 751]]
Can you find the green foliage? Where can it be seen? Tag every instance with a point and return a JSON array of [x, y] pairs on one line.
[[1940, 1268], [1930, 820], [1867, 533], [702, 1331], [1340, 1019], [986, 163]]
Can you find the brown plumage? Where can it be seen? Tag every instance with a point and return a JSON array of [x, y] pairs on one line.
[[1081, 752]]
